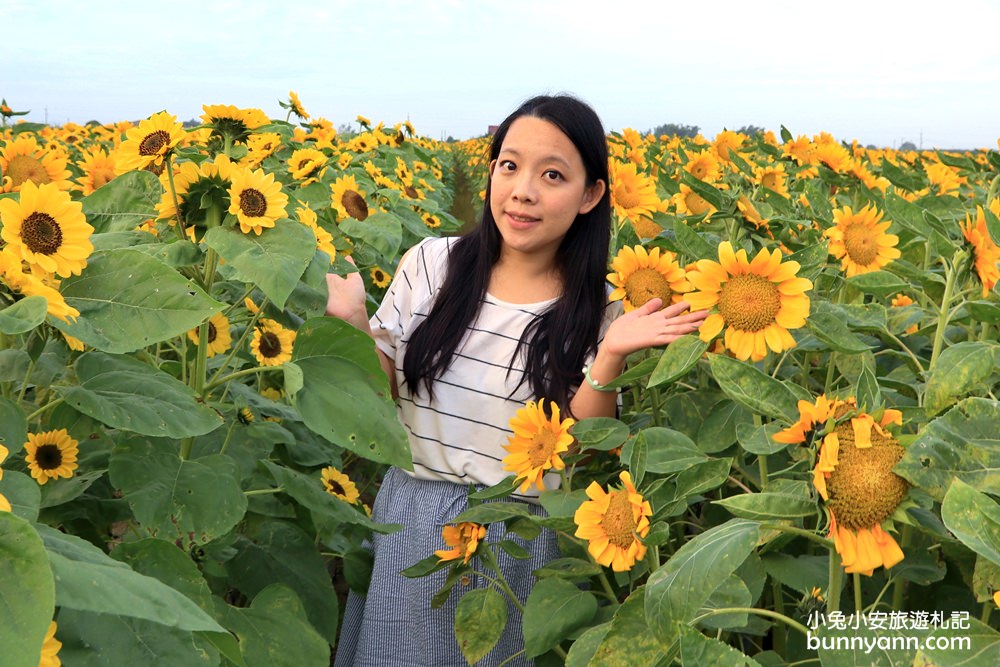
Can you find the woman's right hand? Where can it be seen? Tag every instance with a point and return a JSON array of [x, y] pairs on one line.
[[346, 298]]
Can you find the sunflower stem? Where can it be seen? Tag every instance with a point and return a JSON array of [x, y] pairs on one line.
[[606, 585], [239, 343], [186, 445], [834, 581], [857, 592], [944, 313], [229, 433], [500, 581], [238, 374], [792, 623], [987, 610], [654, 400], [801, 532], [263, 492], [173, 193], [994, 189], [37, 413], [899, 586], [24, 384]]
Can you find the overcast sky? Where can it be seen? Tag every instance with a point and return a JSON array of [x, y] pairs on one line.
[[881, 72]]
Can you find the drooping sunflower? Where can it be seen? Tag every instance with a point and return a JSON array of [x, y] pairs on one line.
[[859, 240], [50, 648], [47, 229], [198, 187], [219, 338], [772, 177], [295, 106], [463, 539], [799, 149], [612, 522], [232, 123], [307, 165], [379, 277], [853, 474], [348, 199], [149, 143], [986, 253], [324, 240], [812, 416], [689, 202], [640, 275], [945, 179], [256, 200], [28, 284], [260, 146], [98, 168], [339, 485], [756, 301], [272, 343], [51, 455], [22, 161], [633, 196], [752, 215], [536, 444]]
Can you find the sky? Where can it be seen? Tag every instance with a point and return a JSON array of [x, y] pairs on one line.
[[882, 72]]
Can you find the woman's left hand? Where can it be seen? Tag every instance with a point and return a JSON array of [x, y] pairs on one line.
[[648, 326]]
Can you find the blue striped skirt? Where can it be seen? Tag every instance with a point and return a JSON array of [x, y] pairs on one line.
[[394, 624]]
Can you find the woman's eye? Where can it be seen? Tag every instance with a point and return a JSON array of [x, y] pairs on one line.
[[506, 165], [553, 175]]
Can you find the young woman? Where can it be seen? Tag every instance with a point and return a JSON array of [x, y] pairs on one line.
[[469, 331]]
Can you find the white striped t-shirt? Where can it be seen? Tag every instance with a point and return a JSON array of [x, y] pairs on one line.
[[460, 437]]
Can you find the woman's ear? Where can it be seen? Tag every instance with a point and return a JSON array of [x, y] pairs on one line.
[[592, 195], [493, 163]]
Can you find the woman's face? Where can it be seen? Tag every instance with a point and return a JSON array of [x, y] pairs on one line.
[[538, 187]]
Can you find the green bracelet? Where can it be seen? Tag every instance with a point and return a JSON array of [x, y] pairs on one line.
[[594, 384]]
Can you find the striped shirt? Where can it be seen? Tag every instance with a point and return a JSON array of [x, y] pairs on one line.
[[460, 436]]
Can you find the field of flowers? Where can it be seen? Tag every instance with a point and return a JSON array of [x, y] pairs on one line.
[[189, 447]]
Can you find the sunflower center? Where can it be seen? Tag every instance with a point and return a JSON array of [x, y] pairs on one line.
[[859, 241], [863, 489], [627, 197], [769, 181], [696, 203], [646, 284], [153, 143], [335, 487], [253, 203], [270, 345], [48, 457], [411, 192], [23, 168], [618, 522], [542, 445], [749, 302], [41, 233], [355, 205], [102, 176], [212, 332], [699, 170]]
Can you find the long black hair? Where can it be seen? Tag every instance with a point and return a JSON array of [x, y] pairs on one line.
[[556, 342]]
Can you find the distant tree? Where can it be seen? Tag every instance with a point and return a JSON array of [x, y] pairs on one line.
[[675, 129], [871, 147], [194, 122], [751, 130], [907, 146]]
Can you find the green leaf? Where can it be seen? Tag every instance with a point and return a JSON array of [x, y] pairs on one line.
[[637, 457], [849, 646], [676, 591], [345, 395], [880, 283], [983, 642], [123, 203], [680, 357], [274, 260], [166, 562], [555, 608], [905, 179], [974, 518], [23, 494], [27, 592], [667, 450], [574, 569], [191, 500], [381, 231], [831, 330], [718, 431], [867, 392], [631, 641], [492, 513], [88, 580], [562, 503], [283, 553], [600, 433], [275, 630], [768, 506], [753, 389], [128, 300], [691, 243], [802, 573], [23, 315], [697, 649], [960, 444], [480, 619], [127, 394], [961, 368], [583, 649], [720, 200], [759, 439], [984, 311], [13, 426]]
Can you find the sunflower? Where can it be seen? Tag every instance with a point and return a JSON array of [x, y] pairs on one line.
[[811, 417], [943, 177], [98, 169], [348, 199], [640, 275], [22, 161], [339, 485], [29, 284], [232, 123], [703, 165], [50, 648], [756, 301], [272, 343], [362, 143], [871, 181], [432, 221], [985, 251], [901, 301], [74, 344], [859, 240], [612, 521], [324, 240], [47, 229], [799, 149], [197, 186], [148, 144], [4, 503], [307, 165], [751, 214], [219, 339], [463, 539], [295, 106], [536, 444], [256, 200], [772, 177], [634, 198], [727, 141], [833, 155], [51, 455], [379, 277], [259, 146], [853, 474], [689, 202]]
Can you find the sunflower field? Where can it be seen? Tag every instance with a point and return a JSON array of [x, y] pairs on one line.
[[189, 447]]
